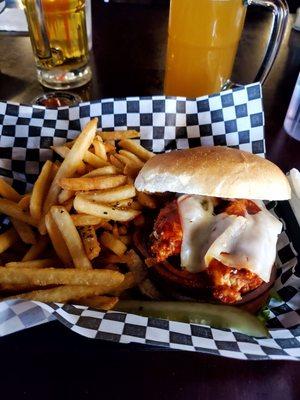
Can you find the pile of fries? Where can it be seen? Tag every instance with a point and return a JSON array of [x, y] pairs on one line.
[[70, 237]]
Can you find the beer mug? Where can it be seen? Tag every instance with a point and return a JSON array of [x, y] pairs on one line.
[[59, 40], [203, 38]]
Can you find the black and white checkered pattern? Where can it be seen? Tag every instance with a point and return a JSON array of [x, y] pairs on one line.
[[234, 118]]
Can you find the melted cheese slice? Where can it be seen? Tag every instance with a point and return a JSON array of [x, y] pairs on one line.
[[239, 242], [196, 217]]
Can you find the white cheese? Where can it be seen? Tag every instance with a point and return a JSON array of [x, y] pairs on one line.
[[196, 217], [240, 242]]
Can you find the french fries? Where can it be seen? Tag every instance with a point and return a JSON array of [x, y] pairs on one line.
[[71, 237], [128, 283], [63, 294], [94, 160], [24, 231], [37, 249], [7, 239], [14, 210], [63, 151], [8, 192], [136, 149], [111, 242], [44, 263], [99, 302], [86, 220], [90, 241], [92, 183], [118, 135], [111, 195], [99, 148], [65, 195], [39, 191], [70, 165], [104, 278], [132, 157], [86, 206], [57, 240], [77, 257], [107, 170]]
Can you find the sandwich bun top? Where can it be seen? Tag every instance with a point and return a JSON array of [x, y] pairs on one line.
[[214, 171]]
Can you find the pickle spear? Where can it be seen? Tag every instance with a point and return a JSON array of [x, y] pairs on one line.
[[217, 316]]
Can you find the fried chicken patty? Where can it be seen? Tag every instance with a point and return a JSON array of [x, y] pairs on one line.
[[228, 283]]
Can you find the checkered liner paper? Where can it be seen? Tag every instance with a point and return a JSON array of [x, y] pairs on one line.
[[233, 118]]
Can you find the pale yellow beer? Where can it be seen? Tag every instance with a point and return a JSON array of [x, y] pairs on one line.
[[59, 40]]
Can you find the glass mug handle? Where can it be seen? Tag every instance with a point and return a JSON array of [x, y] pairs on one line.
[[2, 5], [280, 12]]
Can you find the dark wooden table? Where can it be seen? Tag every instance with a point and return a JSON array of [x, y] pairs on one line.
[[50, 361]]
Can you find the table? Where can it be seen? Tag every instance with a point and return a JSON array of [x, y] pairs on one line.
[[52, 362]]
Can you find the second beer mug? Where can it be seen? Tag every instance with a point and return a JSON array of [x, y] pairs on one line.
[[203, 40], [58, 36]]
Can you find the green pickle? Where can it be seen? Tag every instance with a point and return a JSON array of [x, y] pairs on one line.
[[217, 316]]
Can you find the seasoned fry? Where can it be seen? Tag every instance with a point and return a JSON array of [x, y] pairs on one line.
[[138, 162], [24, 203], [127, 162], [86, 220], [90, 241], [71, 236], [68, 205], [128, 203], [136, 149], [24, 231], [99, 302], [106, 279], [92, 183], [44, 263], [8, 192], [65, 195], [109, 147], [70, 165], [62, 294], [63, 151], [111, 195], [111, 258], [94, 160], [107, 170], [111, 242], [70, 143], [13, 210], [37, 249], [118, 135], [7, 239], [116, 163], [57, 240], [99, 148], [146, 200], [83, 205], [95, 181], [39, 191], [128, 283], [136, 266]]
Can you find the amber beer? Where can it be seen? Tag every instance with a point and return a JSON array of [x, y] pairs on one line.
[[202, 44], [59, 39]]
